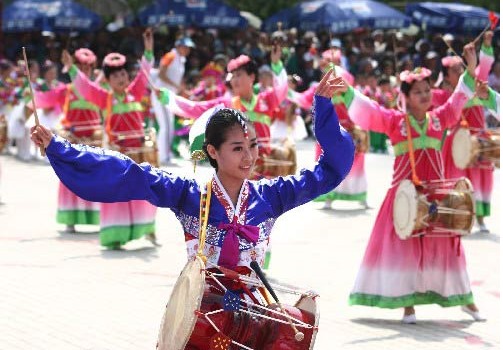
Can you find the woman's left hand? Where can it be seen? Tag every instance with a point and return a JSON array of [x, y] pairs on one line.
[[330, 85]]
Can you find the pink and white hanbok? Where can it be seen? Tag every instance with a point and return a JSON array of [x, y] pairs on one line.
[[397, 273]]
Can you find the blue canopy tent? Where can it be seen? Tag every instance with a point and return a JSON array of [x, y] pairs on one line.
[[339, 16], [48, 15], [448, 17], [201, 13]]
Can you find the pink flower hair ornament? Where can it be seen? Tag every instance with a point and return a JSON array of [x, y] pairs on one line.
[[114, 59], [85, 56], [418, 74], [450, 61], [237, 62]]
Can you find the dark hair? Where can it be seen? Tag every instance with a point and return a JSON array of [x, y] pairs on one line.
[[250, 68], [108, 70], [48, 65], [218, 125], [406, 87], [383, 79]]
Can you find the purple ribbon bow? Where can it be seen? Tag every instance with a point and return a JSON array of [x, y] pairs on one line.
[[229, 255]]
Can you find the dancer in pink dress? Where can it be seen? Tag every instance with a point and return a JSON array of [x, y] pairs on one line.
[[354, 186], [482, 173], [121, 222], [398, 273], [81, 123]]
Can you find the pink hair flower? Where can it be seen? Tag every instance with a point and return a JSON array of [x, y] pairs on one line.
[[450, 61], [114, 59], [237, 62], [418, 74], [85, 56]]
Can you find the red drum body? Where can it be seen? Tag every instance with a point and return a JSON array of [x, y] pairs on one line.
[[254, 332], [195, 318]]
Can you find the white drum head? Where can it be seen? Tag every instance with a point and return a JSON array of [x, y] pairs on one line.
[[308, 303], [179, 319], [462, 148], [405, 209]]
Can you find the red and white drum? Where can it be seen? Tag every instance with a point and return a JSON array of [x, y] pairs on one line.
[[146, 151], [197, 317], [436, 208], [468, 148]]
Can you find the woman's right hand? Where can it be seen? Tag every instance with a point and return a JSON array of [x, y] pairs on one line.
[[41, 135], [330, 85], [470, 55], [66, 59]]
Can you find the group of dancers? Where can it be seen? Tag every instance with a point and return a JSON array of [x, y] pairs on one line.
[[122, 192]]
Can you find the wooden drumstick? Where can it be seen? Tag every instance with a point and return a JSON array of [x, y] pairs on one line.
[[28, 76], [299, 336]]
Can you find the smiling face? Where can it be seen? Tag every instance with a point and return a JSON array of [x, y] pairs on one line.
[[237, 155], [419, 96]]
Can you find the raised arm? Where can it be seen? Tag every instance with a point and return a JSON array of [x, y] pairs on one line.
[[101, 175], [486, 57], [89, 90], [285, 193], [366, 113], [52, 98], [186, 108], [138, 86]]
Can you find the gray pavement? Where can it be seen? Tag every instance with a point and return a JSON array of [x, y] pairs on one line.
[[63, 291]]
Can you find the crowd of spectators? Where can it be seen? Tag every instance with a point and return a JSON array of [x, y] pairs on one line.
[[368, 55]]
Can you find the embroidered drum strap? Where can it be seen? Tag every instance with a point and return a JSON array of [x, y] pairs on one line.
[[204, 212], [415, 179]]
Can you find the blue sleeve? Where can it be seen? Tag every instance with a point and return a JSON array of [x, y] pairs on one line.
[[100, 175], [288, 192]]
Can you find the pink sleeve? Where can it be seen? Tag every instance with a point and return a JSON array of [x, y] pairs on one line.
[[138, 86], [439, 97], [369, 115], [90, 91], [193, 109], [52, 98], [303, 99], [486, 60], [449, 113]]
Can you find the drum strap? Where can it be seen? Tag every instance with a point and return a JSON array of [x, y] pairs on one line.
[[415, 178], [204, 212]]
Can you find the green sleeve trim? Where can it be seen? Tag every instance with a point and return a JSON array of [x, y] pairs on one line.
[[149, 55], [164, 96], [348, 96], [488, 50], [469, 81], [256, 88], [73, 71], [277, 67], [490, 102]]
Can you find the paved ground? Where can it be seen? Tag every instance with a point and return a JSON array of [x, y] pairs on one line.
[[61, 291]]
